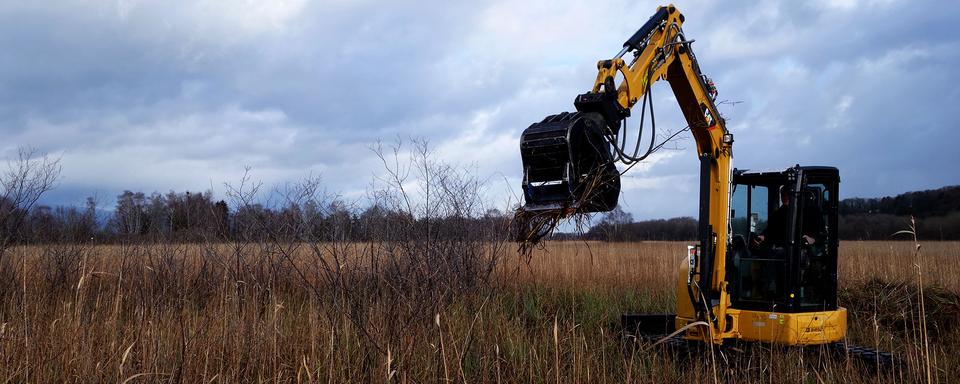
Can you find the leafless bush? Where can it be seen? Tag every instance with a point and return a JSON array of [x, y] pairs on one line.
[[61, 265], [436, 245], [27, 178], [388, 270]]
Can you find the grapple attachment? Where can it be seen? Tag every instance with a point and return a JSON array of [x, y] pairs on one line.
[[567, 164]]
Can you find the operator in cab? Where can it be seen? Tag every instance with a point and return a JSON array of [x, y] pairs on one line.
[[775, 234]]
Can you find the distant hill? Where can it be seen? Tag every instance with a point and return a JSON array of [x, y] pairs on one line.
[[920, 204], [936, 211]]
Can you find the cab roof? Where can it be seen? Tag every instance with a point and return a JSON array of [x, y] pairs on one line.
[[773, 175]]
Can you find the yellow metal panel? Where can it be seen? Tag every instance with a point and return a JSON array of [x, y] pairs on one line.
[[805, 328]]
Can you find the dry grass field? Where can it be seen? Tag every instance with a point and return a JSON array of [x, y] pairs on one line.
[[256, 313]]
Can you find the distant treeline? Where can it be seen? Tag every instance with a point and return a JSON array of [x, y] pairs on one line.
[[179, 216], [920, 204], [936, 213], [194, 217], [612, 228], [875, 226], [190, 217]]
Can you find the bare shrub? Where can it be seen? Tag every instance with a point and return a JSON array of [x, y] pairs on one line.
[[61, 265], [433, 247], [425, 240], [27, 178]]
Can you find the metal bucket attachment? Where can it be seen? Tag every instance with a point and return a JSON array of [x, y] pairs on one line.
[[567, 164]]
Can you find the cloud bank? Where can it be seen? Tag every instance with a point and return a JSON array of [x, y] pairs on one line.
[[184, 95]]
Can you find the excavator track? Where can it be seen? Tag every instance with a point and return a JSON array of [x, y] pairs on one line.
[[866, 357]]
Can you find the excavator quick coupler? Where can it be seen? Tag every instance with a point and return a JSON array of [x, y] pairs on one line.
[[567, 164]]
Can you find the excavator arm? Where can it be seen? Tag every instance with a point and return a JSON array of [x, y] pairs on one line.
[[569, 158]]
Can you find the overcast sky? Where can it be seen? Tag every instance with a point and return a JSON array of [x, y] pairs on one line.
[[169, 95]]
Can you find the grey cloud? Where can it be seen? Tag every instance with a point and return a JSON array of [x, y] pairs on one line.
[[868, 90], [158, 95]]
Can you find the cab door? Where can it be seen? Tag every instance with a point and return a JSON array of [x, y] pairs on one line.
[[757, 275]]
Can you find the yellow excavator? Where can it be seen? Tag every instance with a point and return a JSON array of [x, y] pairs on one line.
[[764, 267]]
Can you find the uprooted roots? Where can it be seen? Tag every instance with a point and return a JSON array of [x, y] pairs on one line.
[[529, 228]]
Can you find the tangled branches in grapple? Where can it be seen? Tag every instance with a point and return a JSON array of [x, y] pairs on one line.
[[530, 226]]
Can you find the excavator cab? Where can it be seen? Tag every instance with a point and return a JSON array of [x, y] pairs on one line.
[[783, 249], [779, 267]]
